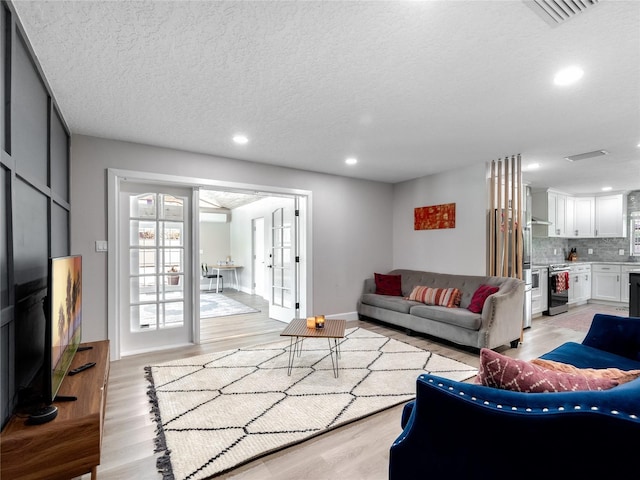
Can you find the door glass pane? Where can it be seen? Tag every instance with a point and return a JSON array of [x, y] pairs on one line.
[[143, 317], [143, 289], [143, 206], [173, 314], [142, 233], [173, 260], [173, 208], [142, 261], [173, 234]]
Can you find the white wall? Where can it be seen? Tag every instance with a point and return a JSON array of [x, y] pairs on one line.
[[350, 218], [215, 242], [459, 250]]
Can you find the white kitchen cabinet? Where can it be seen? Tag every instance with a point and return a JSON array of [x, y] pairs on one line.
[[539, 294], [550, 206], [624, 281], [610, 216], [579, 284], [605, 282], [583, 217]]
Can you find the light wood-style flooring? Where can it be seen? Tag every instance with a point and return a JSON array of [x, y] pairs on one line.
[[359, 450]]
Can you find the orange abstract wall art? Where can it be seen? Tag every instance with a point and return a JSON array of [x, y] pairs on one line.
[[435, 217]]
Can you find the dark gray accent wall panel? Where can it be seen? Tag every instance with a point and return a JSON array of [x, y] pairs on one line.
[[30, 239], [59, 231], [29, 117], [34, 205], [59, 158], [5, 44], [4, 240]]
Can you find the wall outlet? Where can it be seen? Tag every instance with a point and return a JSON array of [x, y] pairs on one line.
[[590, 251], [621, 251]]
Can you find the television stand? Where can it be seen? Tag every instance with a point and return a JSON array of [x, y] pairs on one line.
[[68, 446]]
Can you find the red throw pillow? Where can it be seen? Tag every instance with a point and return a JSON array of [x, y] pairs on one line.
[[500, 371], [388, 284], [479, 297]]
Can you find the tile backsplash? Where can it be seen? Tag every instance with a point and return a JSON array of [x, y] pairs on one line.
[[604, 250]]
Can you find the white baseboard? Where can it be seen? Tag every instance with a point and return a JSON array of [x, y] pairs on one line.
[[345, 316]]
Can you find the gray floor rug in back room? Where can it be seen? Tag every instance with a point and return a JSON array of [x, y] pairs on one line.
[[217, 411], [219, 305]]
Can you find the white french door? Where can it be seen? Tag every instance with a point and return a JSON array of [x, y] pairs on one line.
[[155, 307], [257, 256], [283, 263]]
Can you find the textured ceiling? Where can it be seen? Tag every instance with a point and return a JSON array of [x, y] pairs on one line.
[[409, 88]]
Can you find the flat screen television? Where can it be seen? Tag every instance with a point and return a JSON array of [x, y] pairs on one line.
[[64, 321]]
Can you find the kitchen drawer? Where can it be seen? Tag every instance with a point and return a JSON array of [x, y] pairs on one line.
[[597, 268], [580, 268]]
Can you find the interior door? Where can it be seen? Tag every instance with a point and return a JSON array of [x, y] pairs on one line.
[[257, 254], [283, 263], [155, 286]]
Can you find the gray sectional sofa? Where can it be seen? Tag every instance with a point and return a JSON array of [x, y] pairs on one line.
[[499, 323]]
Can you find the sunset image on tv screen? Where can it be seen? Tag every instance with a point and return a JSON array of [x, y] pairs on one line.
[[66, 311]]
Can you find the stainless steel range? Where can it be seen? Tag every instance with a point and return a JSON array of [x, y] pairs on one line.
[[558, 294]]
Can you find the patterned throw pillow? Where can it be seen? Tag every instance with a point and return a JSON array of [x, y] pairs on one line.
[[444, 297], [388, 284], [480, 296], [500, 371], [621, 376]]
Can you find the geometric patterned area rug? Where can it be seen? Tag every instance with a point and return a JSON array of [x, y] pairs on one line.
[[217, 411], [218, 305]]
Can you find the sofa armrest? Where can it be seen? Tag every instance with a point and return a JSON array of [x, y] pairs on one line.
[[456, 429], [619, 335], [502, 315], [369, 285]]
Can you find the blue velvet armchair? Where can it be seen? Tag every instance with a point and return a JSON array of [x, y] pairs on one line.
[[469, 431]]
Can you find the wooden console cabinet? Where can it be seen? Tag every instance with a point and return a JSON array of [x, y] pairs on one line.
[[69, 445]]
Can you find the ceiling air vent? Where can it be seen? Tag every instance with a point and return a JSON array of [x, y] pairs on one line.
[[555, 12], [584, 156]]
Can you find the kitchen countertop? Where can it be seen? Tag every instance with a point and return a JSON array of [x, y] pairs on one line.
[[579, 262]]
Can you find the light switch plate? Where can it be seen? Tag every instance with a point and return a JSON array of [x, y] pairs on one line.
[[101, 245], [590, 251], [621, 251]]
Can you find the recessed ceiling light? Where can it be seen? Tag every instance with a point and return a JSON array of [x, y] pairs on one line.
[[240, 139], [606, 189], [351, 161], [568, 76]]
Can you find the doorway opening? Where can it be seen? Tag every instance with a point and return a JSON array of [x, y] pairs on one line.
[[249, 258], [237, 270]]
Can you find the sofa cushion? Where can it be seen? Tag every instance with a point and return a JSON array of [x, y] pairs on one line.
[[395, 304], [445, 297], [388, 284], [460, 317], [584, 356], [500, 371], [621, 376], [480, 296]]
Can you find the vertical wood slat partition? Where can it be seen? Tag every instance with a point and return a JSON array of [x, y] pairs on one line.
[[505, 217]]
